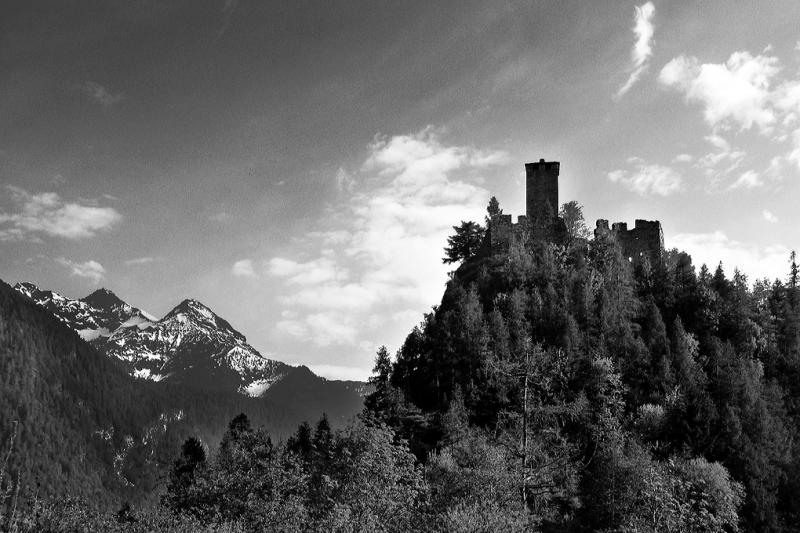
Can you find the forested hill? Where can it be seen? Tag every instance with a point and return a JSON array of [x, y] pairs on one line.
[[640, 398], [86, 428], [555, 388]]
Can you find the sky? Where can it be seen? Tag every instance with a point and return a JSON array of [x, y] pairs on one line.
[[297, 165]]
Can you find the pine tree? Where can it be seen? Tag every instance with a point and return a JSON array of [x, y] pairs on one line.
[[465, 243]]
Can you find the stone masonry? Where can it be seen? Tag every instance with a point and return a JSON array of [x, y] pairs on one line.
[[646, 239], [542, 223], [541, 220]]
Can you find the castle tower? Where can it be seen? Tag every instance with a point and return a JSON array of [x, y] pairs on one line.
[[541, 192]]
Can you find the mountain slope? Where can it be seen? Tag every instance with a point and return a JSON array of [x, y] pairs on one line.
[[307, 392], [87, 428], [97, 315], [190, 345], [62, 393], [193, 346]]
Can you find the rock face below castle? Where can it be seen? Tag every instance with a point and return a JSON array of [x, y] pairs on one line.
[[542, 223]]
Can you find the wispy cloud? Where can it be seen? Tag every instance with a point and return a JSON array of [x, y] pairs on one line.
[[228, 7], [91, 270], [769, 217], [100, 94], [749, 179], [243, 269], [141, 261], [47, 213], [222, 217], [643, 48], [344, 181], [380, 248], [648, 179]]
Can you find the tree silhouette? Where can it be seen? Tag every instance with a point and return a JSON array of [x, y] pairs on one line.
[[465, 243]]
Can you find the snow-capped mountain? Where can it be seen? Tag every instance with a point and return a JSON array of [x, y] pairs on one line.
[[189, 345], [192, 345], [97, 315]]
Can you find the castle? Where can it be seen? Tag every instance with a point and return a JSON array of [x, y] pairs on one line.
[[542, 223]]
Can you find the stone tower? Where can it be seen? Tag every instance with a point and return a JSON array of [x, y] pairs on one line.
[[541, 192]]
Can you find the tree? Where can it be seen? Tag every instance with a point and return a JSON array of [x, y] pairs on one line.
[[465, 243], [377, 401], [178, 497], [493, 209], [572, 213]]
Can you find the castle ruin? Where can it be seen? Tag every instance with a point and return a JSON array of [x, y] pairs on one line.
[[542, 223], [645, 240]]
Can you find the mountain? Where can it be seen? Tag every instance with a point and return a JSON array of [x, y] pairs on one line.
[[190, 345], [87, 428], [97, 315], [307, 392], [79, 414], [193, 346]]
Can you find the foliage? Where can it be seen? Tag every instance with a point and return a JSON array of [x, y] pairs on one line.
[[555, 388], [572, 214], [620, 396], [464, 243]]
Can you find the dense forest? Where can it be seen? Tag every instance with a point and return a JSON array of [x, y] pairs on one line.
[[557, 387], [73, 421]]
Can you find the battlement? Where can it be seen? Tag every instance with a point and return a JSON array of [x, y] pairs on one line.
[[504, 231], [540, 221], [646, 239]]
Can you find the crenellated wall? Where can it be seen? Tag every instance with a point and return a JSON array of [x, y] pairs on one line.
[[542, 223], [646, 239]]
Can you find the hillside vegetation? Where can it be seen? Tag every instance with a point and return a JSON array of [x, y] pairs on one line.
[[555, 388]]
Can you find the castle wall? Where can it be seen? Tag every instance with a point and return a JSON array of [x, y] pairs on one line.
[[541, 221], [646, 239], [503, 232]]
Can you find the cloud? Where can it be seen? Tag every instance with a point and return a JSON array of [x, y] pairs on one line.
[[227, 13], [243, 269], [736, 92], [769, 217], [754, 260], [377, 254], [748, 180], [221, 217], [648, 179], [91, 269], [346, 373], [344, 181], [643, 48], [747, 92], [141, 261], [720, 163], [47, 213], [312, 272], [683, 158], [100, 94]]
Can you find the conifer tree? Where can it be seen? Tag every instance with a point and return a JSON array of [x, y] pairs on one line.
[[465, 243]]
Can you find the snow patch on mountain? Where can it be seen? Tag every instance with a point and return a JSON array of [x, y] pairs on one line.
[[257, 387], [190, 343]]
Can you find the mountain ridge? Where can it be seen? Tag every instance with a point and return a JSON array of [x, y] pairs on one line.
[[190, 345]]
